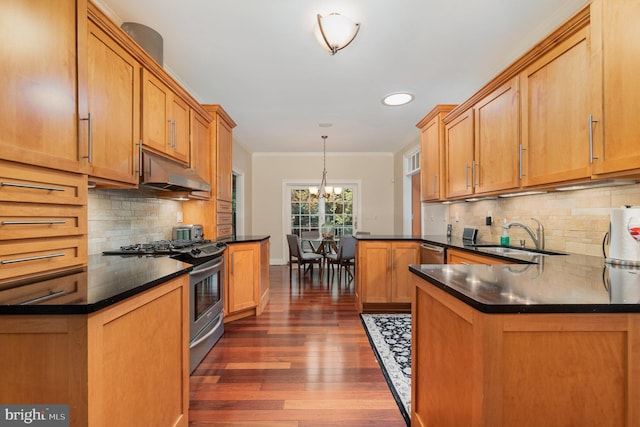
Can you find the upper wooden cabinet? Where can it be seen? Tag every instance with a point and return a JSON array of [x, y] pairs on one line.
[[555, 113], [113, 92], [165, 119], [222, 139], [432, 153], [200, 146], [459, 162], [497, 137], [40, 66], [615, 65]]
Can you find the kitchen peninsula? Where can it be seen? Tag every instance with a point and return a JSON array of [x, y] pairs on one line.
[[553, 341], [88, 340]]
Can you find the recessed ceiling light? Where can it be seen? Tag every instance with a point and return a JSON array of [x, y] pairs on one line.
[[396, 99]]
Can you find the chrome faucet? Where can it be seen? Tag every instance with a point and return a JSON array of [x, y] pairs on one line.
[[538, 238]]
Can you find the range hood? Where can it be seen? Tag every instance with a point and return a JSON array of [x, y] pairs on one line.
[[163, 174]]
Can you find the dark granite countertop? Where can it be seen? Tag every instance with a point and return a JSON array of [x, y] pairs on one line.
[[245, 239], [570, 283], [108, 280]]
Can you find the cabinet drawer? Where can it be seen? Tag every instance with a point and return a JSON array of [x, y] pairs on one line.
[[21, 259], [224, 207], [59, 290], [31, 184], [26, 221], [224, 231], [224, 218]]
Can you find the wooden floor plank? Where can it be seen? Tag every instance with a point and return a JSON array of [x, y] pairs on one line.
[[305, 362]]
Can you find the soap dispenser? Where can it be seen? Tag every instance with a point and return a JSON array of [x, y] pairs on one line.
[[504, 238]]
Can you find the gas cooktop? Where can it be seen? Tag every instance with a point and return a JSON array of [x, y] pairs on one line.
[[185, 248]]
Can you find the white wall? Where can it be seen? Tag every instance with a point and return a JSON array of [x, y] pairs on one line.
[[243, 167], [272, 170]]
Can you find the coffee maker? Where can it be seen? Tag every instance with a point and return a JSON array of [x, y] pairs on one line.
[[623, 237]]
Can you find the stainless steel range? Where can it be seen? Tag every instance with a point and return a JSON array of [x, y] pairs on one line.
[[206, 283]]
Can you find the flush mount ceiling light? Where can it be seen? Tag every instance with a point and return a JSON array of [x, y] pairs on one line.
[[335, 32], [397, 99]]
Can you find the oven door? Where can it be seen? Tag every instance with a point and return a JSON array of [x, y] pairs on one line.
[[205, 308]]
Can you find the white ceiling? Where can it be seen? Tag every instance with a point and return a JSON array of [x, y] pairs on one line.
[[260, 61]]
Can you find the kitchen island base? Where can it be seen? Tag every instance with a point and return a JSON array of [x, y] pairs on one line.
[[476, 369]]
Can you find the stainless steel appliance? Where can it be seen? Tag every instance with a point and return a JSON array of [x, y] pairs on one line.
[[431, 254], [206, 287], [188, 232]]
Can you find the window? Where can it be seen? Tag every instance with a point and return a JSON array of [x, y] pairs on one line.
[[309, 212]]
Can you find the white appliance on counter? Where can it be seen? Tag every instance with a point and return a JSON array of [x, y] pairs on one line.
[[623, 237]]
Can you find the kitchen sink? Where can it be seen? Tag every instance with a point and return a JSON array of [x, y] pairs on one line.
[[511, 250]]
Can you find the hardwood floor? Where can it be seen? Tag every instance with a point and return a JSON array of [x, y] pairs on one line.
[[305, 362]]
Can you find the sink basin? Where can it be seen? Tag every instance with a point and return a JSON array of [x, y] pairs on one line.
[[510, 250]]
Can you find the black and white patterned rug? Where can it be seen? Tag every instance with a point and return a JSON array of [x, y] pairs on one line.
[[390, 338]]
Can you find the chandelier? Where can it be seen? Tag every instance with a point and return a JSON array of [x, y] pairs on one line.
[[324, 190]]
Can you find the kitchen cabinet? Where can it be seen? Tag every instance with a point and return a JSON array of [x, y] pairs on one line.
[[43, 226], [247, 284], [224, 219], [555, 112], [39, 103], [614, 66], [382, 275], [497, 138], [222, 133], [99, 363], [165, 119], [432, 168], [114, 110], [455, 256], [471, 368], [459, 162], [200, 146]]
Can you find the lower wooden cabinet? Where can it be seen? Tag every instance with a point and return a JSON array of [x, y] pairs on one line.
[[463, 257], [247, 284], [382, 275], [475, 369], [125, 365]]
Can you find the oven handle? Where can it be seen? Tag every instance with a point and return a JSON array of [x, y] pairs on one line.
[[207, 335], [204, 270]]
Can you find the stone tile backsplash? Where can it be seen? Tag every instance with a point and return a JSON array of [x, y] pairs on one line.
[[574, 221], [123, 217]]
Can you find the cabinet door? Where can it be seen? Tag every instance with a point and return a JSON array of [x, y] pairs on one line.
[[555, 113], [224, 168], [114, 105], [459, 155], [156, 123], [38, 65], [430, 161], [404, 254], [200, 147], [375, 271], [463, 257], [615, 41], [179, 148], [497, 140], [244, 276]]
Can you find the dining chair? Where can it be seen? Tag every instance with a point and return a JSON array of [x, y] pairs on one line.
[[305, 260], [308, 238], [345, 258]]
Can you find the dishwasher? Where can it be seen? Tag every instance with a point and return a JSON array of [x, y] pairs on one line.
[[431, 254]]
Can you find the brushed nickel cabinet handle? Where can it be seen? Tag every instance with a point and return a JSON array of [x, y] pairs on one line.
[[44, 222], [43, 298], [89, 155], [591, 156], [466, 178], [33, 258], [520, 160], [32, 187]]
